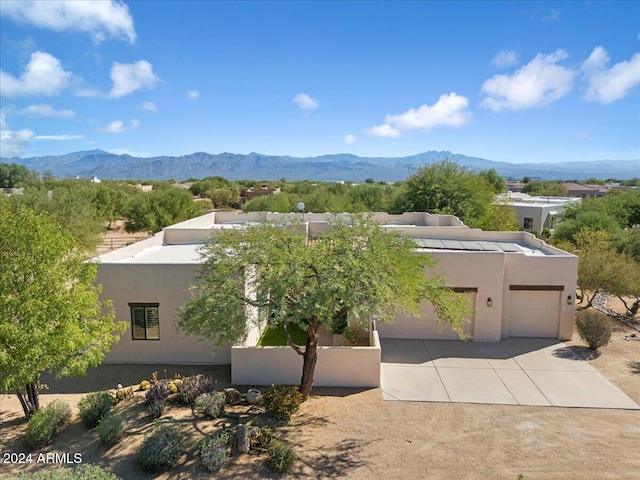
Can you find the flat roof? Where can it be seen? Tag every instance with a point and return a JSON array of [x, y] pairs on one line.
[[165, 255]]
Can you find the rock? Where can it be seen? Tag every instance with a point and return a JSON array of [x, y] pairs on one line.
[[232, 396], [254, 396], [242, 439]]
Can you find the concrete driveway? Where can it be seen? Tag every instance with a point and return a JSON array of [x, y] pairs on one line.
[[515, 371]]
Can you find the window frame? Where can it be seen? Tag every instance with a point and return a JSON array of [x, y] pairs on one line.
[[145, 307], [529, 221]]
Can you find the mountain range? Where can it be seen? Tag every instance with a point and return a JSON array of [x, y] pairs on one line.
[[256, 166]]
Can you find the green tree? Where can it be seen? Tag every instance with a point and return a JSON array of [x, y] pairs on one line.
[[51, 317], [601, 267], [579, 219], [152, 211], [495, 181], [499, 217], [545, 188], [224, 196], [350, 272], [109, 203], [448, 188], [12, 174]]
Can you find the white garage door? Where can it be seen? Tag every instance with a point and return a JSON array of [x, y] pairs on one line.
[[534, 313], [425, 327]]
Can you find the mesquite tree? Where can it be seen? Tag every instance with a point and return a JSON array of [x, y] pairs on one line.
[[352, 270], [50, 315]]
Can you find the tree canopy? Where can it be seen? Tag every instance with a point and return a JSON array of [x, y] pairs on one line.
[[449, 189], [350, 272], [50, 315], [152, 211]]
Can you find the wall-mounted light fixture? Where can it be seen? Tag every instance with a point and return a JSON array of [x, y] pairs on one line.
[[569, 300], [489, 302]]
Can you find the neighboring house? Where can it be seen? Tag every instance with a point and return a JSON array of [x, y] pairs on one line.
[[144, 188], [248, 193], [517, 284], [535, 214], [12, 191], [582, 191]]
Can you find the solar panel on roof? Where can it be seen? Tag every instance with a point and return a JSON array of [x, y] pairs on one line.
[[452, 244], [509, 247]]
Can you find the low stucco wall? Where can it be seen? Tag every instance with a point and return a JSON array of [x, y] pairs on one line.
[[336, 366]]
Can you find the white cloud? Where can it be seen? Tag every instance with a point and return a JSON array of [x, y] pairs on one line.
[[129, 77], [449, 111], [606, 85], [149, 107], [349, 139], [581, 135], [114, 127], [46, 110], [135, 123], [43, 75], [58, 137], [536, 84], [99, 19], [384, 130], [193, 94], [305, 102], [87, 92], [505, 58], [12, 143]]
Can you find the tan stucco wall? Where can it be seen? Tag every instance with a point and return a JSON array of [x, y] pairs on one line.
[[336, 367], [540, 271], [166, 285], [481, 270]]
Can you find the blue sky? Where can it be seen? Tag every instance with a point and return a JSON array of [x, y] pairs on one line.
[[507, 81]]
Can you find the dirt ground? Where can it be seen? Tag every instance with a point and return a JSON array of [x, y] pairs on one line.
[[117, 237], [350, 433]]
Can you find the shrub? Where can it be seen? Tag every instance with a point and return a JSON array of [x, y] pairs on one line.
[[210, 404], [44, 425], [263, 439], [594, 328], [280, 456], [177, 382], [282, 401], [214, 450], [156, 399], [173, 388], [145, 385], [161, 450], [95, 406], [110, 429], [86, 471], [61, 412], [193, 386]]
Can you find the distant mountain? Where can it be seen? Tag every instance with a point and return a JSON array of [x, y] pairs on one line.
[[256, 166]]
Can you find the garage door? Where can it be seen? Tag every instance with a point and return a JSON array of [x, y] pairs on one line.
[[534, 313], [425, 327]]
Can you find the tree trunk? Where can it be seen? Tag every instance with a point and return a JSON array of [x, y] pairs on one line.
[[310, 358], [633, 309], [30, 400]]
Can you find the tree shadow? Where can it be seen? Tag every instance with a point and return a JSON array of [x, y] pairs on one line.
[[634, 366], [576, 352], [346, 457]]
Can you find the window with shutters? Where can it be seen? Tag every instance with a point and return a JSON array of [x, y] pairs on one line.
[[145, 321]]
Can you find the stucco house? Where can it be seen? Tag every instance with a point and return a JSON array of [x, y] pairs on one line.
[[518, 285], [535, 214]]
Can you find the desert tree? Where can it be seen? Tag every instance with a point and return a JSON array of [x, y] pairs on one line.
[[51, 317], [447, 188], [353, 270]]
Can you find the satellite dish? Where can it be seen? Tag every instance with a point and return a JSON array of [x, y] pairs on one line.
[[300, 206]]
